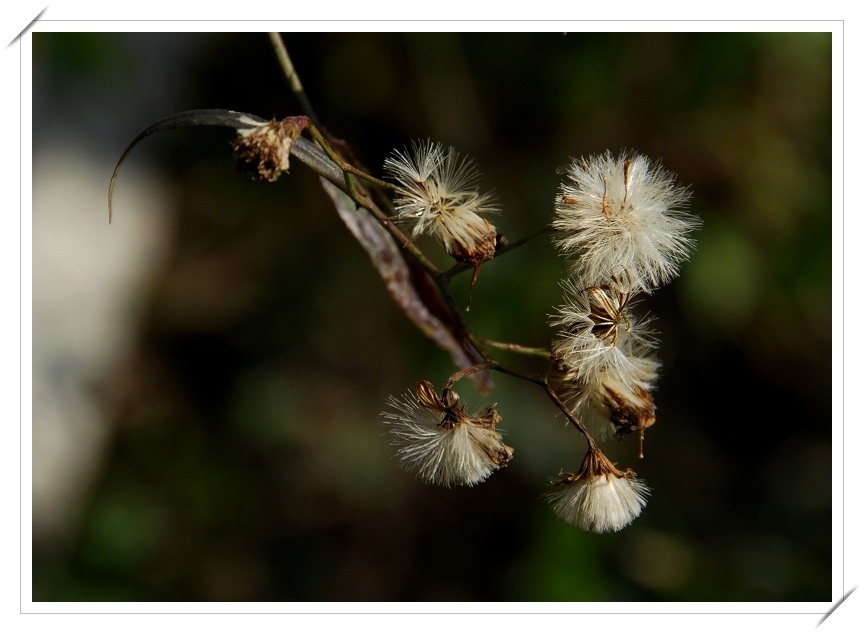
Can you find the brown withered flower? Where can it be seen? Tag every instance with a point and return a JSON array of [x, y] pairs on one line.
[[265, 149], [607, 405]]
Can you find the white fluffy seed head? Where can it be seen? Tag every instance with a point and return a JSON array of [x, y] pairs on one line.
[[600, 504], [600, 334], [464, 451], [439, 197], [623, 216], [600, 499]]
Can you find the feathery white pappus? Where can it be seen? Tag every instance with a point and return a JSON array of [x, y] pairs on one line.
[[443, 444], [600, 334], [438, 195], [600, 498], [623, 215]]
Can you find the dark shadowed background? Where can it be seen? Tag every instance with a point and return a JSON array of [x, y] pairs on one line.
[[209, 370]]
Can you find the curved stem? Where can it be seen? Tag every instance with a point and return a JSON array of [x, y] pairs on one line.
[[461, 374]]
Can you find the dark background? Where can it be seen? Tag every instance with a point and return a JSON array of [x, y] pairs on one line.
[[242, 456]]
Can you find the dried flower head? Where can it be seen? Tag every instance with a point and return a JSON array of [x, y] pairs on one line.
[[265, 148], [623, 215], [600, 498], [600, 334], [438, 194], [441, 443], [607, 406]]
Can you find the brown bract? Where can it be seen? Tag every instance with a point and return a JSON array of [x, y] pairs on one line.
[[594, 464], [454, 414], [450, 406], [607, 309]]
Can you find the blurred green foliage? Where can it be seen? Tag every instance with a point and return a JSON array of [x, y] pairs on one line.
[[246, 460]]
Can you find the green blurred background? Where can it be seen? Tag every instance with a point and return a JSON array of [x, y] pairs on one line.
[[233, 446]]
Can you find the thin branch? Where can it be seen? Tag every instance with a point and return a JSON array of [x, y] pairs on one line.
[[576, 422], [347, 167], [187, 119], [542, 382], [292, 76], [504, 369], [518, 243], [515, 347]]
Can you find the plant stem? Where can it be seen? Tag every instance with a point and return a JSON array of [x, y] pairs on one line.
[[576, 422], [515, 347], [292, 76], [346, 167]]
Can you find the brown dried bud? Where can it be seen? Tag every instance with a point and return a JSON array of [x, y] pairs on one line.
[[498, 452], [476, 250]]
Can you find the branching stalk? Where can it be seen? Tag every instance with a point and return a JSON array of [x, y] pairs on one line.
[[329, 164]]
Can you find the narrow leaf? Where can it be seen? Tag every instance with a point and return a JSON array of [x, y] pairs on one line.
[[188, 119], [387, 259]]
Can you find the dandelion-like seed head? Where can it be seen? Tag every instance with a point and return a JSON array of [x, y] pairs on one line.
[[439, 197], [600, 498], [623, 216], [440, 443], [600, 334]]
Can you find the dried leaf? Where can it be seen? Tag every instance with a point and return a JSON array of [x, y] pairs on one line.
[[387, 258]]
